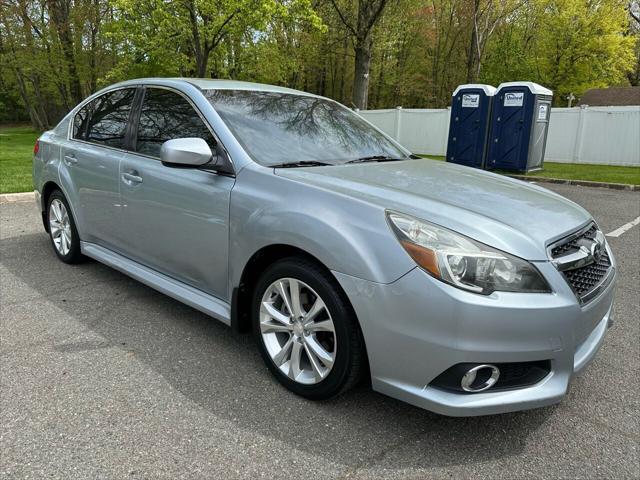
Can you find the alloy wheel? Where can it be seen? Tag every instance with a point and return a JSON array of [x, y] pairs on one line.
[[298, 331], [60, 226]]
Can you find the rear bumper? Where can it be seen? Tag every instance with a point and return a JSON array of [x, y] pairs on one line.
[[418, 327]]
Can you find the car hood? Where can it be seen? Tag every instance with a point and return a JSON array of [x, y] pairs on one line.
[[508, 214]]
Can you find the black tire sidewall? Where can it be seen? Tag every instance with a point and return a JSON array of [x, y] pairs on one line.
[[74, 254], [341, 315]]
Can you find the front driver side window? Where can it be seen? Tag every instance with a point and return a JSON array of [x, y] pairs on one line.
[[166, 115]]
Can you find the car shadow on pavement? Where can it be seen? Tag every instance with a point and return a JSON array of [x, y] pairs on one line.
[[223, 373]]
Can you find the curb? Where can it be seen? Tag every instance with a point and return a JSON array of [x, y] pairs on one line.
[[17, 197], [582, 183]]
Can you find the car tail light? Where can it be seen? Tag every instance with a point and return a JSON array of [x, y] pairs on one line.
[[36, 147]]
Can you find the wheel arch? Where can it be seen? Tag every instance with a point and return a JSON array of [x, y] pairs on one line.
[[257, 263], [47, 189]]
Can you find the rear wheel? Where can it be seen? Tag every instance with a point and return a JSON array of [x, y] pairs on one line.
[[62, 229], [306, 329]]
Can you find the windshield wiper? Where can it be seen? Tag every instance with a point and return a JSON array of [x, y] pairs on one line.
[[301, 163], [374, 158]]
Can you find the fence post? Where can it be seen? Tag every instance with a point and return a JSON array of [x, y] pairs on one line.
[[396, 130], [445, 139], [577, 146]]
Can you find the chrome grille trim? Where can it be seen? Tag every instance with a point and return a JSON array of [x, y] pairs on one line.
[[562, 246], [586, 277]]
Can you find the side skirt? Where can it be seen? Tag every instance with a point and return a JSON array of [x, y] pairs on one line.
[[193, 297]]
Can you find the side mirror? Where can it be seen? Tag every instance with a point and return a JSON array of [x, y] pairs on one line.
[[193, 152]]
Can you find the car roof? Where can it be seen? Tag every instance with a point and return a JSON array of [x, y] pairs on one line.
[[214, 84]]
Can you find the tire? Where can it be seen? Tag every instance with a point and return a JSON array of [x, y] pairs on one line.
[[62, 229], [341, 358]]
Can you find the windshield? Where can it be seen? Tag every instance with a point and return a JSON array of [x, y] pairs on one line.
[[281, 128]]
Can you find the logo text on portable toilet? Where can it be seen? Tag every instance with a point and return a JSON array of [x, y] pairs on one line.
[[543, 108], [513, 99], [470, 100]]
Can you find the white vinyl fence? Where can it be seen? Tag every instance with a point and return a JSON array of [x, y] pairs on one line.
[[604, 135]]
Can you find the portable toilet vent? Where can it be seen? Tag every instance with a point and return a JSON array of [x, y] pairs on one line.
[[469, 124], [519, 126]]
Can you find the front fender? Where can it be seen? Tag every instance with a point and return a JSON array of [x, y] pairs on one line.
[[347, 235]]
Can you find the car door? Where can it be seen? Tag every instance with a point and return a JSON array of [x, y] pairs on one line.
[[90, 165], [176, 219]]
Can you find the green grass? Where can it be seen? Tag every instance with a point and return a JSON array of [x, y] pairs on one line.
[[16, 152], [594, 173], [574, 171]]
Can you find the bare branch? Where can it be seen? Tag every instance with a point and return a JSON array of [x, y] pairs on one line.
[[343, 19], [376, 14], [219, 35]]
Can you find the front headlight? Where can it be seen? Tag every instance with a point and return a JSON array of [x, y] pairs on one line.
[[463, 262]]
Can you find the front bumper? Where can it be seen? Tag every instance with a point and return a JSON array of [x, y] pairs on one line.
[[417, 327]]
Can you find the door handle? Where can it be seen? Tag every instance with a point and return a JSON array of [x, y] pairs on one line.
[[131, 177], [70, 160]]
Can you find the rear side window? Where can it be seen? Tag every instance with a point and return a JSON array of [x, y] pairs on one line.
[[166, 115], [104, 120]]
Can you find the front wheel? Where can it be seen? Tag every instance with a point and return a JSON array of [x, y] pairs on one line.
[[306, 329]]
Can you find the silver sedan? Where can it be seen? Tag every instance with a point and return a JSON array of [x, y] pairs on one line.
[[286, 214]]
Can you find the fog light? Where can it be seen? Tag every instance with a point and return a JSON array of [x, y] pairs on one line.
[[480, 378], [469, 378]]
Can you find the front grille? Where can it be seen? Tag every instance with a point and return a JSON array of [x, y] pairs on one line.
[[583, 280], [572, 245]]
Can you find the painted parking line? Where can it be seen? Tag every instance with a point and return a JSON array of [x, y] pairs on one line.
[[627, 226]]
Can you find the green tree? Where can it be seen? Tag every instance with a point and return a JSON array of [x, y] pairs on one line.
[[188, 32], [366, 53], [566, 45]]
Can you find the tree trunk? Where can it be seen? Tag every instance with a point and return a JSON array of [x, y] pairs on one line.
[[202, 66], [36, 121], [361, 77], [369, 12], [473, 47], [59, 11], [343, 70], [199, 51], [322, 80], [378, 91], [41, 103], [93, 80]]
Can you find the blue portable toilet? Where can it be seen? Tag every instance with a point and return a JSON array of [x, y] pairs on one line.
[[519, 126], [469, 124]]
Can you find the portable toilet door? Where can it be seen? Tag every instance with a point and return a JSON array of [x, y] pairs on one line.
[[469, 124], [519, 126]]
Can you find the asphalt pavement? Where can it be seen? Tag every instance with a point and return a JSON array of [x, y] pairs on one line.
[[103, 377]]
